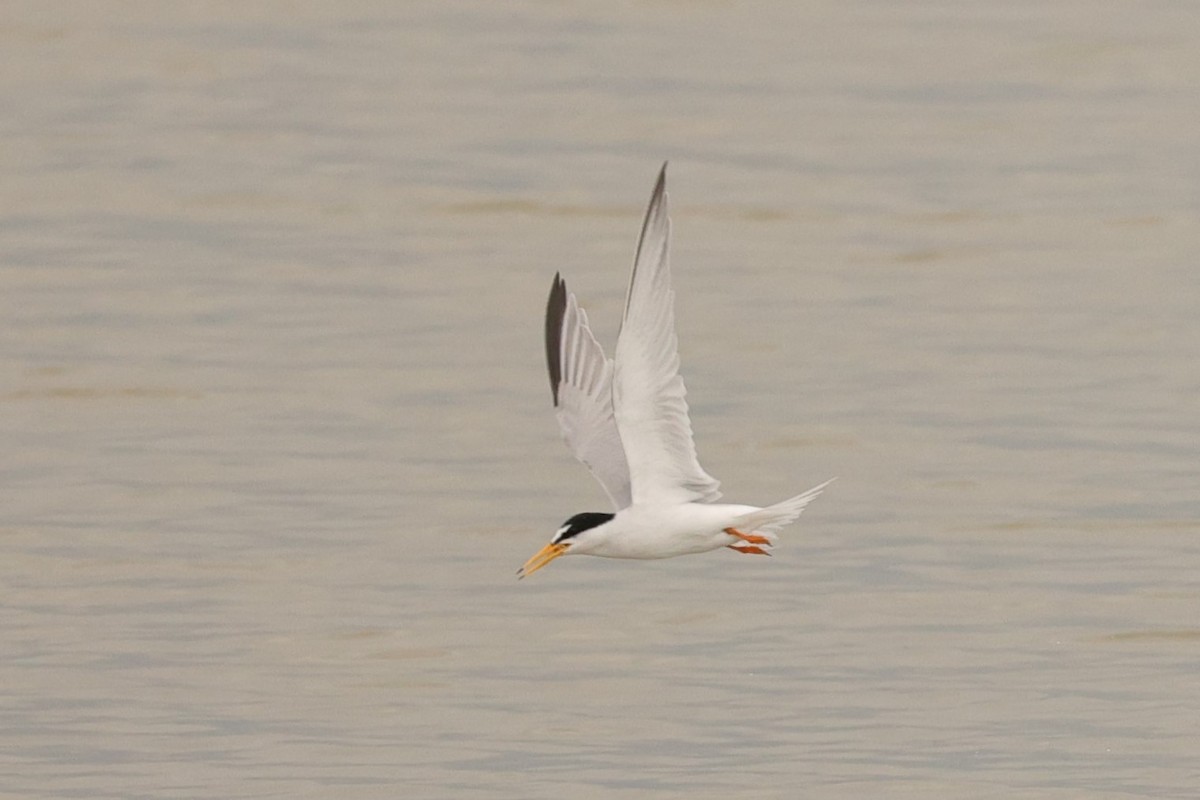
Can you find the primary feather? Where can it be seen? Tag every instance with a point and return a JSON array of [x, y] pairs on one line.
[[648, 391], [581, 384]]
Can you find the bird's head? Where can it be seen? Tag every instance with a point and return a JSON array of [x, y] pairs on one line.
[[574, 535]]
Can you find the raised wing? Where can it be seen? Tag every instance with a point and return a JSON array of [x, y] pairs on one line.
[[581, 382], [648, 392]]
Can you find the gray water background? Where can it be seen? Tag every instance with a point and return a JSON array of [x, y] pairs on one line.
[[276, 432]]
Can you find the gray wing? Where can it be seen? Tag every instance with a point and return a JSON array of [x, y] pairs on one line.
[[648, 392], [581, 384]]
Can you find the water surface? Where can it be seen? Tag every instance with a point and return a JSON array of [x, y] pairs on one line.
[[277, 433]]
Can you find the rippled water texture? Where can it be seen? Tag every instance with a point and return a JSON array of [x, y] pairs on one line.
[[276, 432]]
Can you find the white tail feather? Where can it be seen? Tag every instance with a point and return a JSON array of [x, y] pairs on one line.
[[770, 519]]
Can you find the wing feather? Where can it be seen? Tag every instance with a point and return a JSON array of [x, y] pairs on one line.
[[581, 384], [648, 392]]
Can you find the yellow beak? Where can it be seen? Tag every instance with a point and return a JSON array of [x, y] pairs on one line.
[[541, 559]]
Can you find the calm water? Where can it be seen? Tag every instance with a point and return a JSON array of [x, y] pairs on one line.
[[276, 432]]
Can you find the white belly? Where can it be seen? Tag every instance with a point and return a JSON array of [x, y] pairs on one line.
[[665, 531]]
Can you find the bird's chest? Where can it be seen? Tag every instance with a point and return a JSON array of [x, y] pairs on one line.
[[661, 533]]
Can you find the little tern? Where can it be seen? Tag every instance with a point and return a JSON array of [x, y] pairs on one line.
[[626, 419]]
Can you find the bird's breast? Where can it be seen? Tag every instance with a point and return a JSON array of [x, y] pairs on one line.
[[648, 532]]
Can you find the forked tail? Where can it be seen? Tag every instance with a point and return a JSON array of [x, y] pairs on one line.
[[770, 519]]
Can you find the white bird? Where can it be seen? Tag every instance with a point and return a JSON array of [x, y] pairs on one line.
[[627, 420]]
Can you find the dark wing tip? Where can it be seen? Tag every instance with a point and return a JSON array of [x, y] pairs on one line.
[[657, 205], [656, 209], [660, 185], [556, 311]]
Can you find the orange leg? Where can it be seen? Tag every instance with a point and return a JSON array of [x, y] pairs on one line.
[[746, 537], [748, 549]]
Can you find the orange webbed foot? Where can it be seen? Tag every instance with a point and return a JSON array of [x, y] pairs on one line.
[[747, 537], [748, 549]]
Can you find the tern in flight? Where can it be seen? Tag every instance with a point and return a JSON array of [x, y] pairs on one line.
[[627, 420]]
